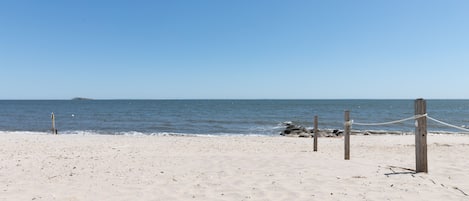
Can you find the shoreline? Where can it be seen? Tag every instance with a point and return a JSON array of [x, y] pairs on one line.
[[104, 167], [324, 133]]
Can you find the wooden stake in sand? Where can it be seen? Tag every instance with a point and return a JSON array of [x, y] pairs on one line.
[[421, 136], [54, 130], [316, 133], [347, 134]]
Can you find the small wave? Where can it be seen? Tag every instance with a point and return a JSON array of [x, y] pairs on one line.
[[137, 134], [260, 131], [25, 132], [448, 133]]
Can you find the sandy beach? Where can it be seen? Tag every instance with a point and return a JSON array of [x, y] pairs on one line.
[[105, 167]]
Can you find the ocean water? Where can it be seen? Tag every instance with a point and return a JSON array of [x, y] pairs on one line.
[[218, 117]]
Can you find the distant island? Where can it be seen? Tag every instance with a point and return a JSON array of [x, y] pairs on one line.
[[81, 98]]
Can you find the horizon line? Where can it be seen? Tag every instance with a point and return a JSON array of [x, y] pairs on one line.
[[177, 99]]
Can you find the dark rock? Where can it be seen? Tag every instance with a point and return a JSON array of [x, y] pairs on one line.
[[292, 130], [337, 132]]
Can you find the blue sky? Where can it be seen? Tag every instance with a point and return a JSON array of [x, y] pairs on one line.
[[244, 49]]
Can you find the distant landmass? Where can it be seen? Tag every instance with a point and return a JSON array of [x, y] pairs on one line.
[[81, 98]]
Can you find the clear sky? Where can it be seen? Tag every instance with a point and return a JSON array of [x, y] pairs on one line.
[[234, 49]]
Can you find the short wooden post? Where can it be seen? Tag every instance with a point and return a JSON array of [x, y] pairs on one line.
[[347, 129], [421, 136], [316, 133], [54, 130]]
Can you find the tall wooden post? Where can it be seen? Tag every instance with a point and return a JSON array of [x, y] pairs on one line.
[[347, 134], [421, 136], [54, 130], [316, 133]]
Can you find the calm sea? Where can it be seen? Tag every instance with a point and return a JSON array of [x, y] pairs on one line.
[[217, 117]]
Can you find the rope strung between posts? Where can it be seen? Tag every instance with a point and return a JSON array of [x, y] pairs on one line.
[[387, 123], [351, 122], [447, 124]]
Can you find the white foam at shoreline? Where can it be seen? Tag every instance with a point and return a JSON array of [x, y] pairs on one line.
[[136, 133]]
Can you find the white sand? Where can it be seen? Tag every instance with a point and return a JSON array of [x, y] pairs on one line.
[[74, 167]]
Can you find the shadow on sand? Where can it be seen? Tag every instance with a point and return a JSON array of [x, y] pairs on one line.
[[402, 171]]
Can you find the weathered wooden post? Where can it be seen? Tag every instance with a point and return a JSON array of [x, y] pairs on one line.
[[54, 130], [347, 129], [421, 136], [316, 133]]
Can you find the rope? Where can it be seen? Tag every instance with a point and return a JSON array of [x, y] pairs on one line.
[[390, 122], [447, 124], [351, 122]]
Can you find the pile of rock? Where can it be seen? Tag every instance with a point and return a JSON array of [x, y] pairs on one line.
[[292, 130]]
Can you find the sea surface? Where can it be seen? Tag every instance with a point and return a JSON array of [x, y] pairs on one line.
[[218, 117]]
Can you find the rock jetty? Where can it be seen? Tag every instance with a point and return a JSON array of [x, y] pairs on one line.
[[292, 130]]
